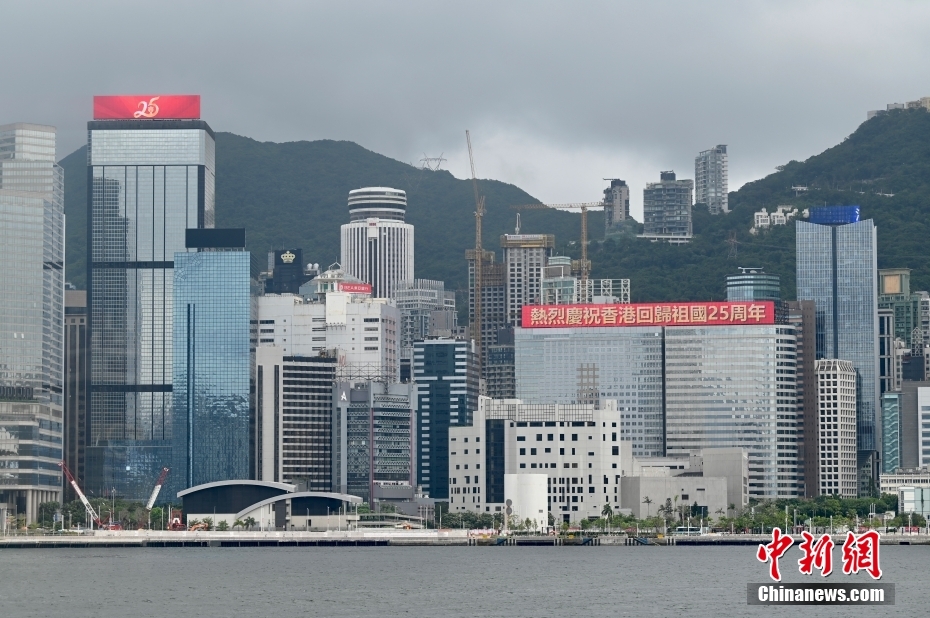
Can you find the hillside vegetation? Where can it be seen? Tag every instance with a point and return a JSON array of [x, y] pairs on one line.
[[294, 195], [884, 167]]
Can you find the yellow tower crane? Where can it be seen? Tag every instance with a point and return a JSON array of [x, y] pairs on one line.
[[583, 207], [479, 251]]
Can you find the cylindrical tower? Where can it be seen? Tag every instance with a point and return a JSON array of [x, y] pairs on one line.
[[377, 245]]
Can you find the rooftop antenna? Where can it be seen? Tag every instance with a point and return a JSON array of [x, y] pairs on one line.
[[517, 231]]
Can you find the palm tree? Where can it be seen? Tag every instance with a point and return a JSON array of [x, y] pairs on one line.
[[249, 521], [647, 501], [607, 512]]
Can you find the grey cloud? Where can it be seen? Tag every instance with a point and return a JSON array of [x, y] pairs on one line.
[[573, 90]]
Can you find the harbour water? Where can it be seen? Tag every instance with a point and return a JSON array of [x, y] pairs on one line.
[[450, 582]]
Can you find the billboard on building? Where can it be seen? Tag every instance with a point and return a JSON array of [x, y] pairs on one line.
[[147, 107], [355, 288], [649, 314]]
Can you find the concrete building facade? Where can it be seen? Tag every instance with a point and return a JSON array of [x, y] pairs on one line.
[[836, 402], [525, 256], [363, 333], [576, 446], [711, 169], [667, 209]]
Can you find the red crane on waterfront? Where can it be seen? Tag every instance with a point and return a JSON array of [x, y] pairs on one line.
[[158, 484], [87, 504]]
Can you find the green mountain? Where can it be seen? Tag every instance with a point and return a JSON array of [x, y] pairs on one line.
[[884, 167], [295, 194]]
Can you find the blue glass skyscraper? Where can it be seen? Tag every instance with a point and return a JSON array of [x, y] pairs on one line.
[[148, 181], [210, 407], [837, 268]]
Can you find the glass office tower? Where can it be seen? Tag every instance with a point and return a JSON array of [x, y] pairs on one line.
[[210, 403], [32, 250], [446, 375], [734, 386], [148, 182], [589, 365], [32, 245], [837, 269]]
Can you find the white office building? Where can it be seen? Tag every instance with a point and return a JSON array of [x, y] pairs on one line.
[[360, 331], [377, 245], [525, 256], [836, 414], [710, 179]]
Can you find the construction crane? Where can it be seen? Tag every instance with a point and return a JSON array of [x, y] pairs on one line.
[[158, 484], [85, 501], [479, 250], [583, 208]]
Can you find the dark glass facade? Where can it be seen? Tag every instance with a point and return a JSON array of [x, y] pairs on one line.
[[148, 182], [837, 269], [446, 376], [210, 406], [75, 396]]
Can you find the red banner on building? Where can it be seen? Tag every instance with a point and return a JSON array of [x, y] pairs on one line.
[[649, 314], [355, 288], [147, 107]]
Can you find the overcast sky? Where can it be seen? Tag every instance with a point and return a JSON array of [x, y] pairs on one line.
[[557, 96]]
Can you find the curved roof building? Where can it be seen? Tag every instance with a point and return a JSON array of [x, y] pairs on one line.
[[377, 244]]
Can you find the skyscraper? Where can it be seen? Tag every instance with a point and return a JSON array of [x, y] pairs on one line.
[[667, 209], [584, 365], [293, 417], [377, 245], [32, 251], [802, 315], [710, 179], [493, 301], [525, 256], [837, 269], [373, 436], [836, 407], [446, 376], [210, 403], [75, 395], [151, 177], [734, 386], [417, 301]]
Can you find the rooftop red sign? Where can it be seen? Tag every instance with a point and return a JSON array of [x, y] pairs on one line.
[[649, 314], [355, 288], [147, 107]]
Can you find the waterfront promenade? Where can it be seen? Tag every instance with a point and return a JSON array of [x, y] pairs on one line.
[[382, 538]]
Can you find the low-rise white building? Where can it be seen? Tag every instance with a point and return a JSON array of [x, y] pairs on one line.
[[904, 477], [577, 447]]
